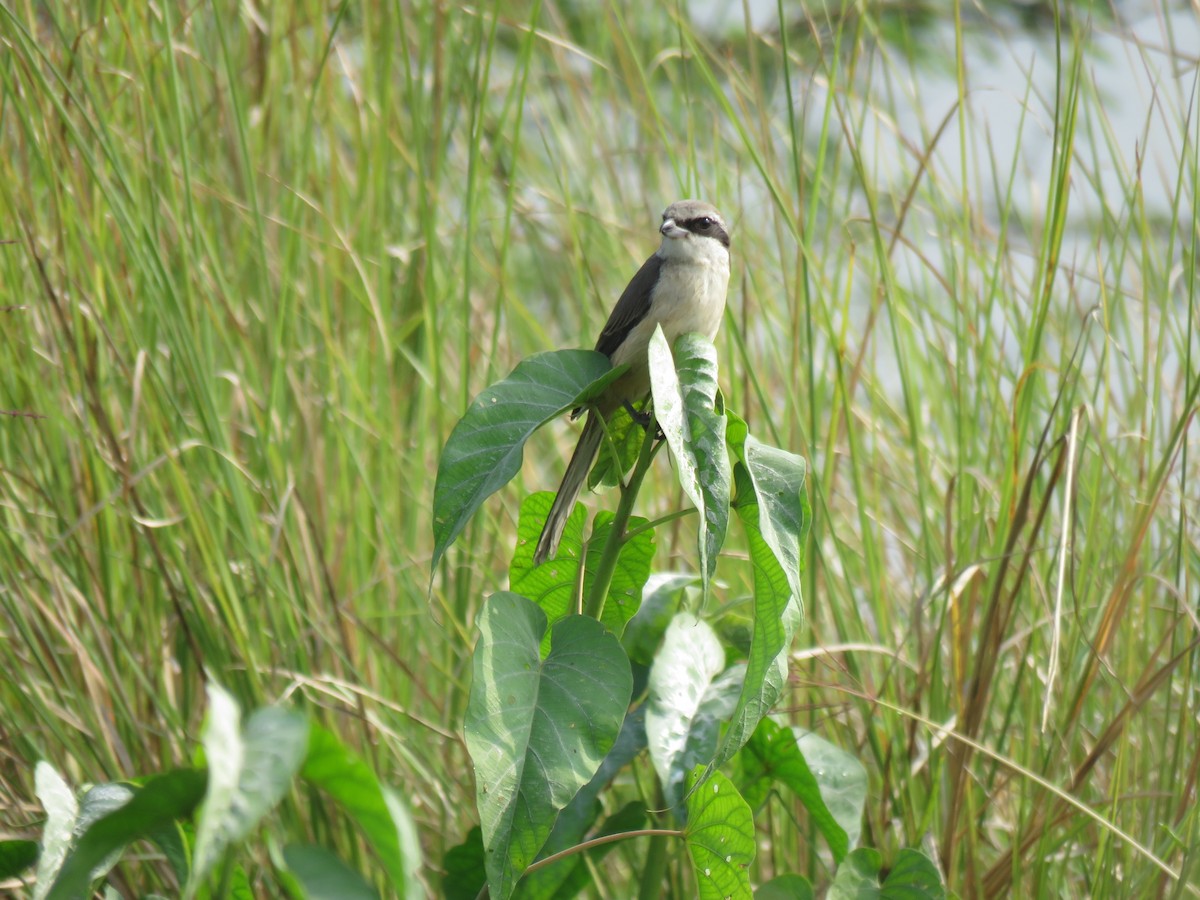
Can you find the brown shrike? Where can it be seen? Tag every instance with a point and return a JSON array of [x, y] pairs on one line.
[[682, 288]]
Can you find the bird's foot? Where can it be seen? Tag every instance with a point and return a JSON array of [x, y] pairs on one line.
[[644, 418]]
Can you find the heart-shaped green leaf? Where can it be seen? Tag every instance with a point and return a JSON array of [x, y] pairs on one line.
[[830, 783], [323, 876], [537, 729], [554, 585], [16, 857], [685, 406], [913, 877], [696, 364], [485, 448], [690, 696], [248, 773], [382, 818], [62, 809], [773, 508], [154, 806], [613, 462]]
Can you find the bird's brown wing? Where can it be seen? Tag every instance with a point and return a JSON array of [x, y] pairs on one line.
[[631, 308]]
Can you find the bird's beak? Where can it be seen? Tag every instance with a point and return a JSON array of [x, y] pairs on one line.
[[671, 230]]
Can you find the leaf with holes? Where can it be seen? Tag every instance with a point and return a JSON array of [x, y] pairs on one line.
[[719, 836]]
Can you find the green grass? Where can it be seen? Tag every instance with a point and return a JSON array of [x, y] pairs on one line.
[[259, 264]]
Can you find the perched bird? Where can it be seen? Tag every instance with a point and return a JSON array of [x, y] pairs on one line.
[[682, 288]]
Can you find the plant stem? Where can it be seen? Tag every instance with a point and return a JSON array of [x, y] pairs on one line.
[[650, 885], [612, 547], [662, 520], [655, 870]]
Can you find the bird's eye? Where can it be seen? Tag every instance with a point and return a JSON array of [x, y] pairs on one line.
[[704, 222]]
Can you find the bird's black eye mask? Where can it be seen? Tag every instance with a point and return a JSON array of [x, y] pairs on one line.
[[708, 227]]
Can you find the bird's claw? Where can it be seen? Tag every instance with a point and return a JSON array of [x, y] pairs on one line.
[[642, 417]]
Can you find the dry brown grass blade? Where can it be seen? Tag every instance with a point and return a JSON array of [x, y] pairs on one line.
[[1118, 597], [998, 879], [995, 625]]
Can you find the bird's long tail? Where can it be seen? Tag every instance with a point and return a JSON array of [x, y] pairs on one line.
[[568, 491]]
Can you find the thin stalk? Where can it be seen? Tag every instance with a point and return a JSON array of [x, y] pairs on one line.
[[655, 870], [657, 858], [662, 520], [616, 537]]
